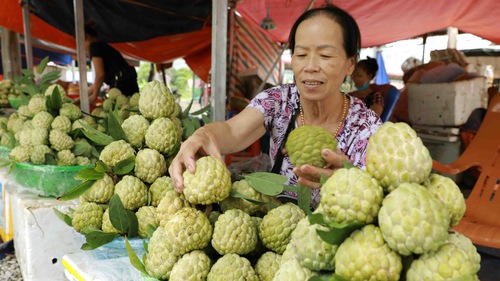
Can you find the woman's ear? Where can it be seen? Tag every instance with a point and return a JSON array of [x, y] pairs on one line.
[[351, 65]]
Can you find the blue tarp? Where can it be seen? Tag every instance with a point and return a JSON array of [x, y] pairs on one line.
[[382, 77]]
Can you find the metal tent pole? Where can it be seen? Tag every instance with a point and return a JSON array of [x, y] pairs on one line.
[[219, 60], [80, 49], [28, 50]]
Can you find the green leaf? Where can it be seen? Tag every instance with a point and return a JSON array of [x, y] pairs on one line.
[[125, 166], [331, 277], [146, 246], [77, 191], [322, 179], [81, 148], [89, 174], [304, 198], [188, 108], [202, 110], [101, 167], [118, 214], [347, 164], [266, 183], [28, 73], [134, 260], [115, 130], [133, 230], [337, 232], [205, 119], [96, 238], [188, 128], [95, 135], [42, 64], [50, 76], [50, 159], [64, 217], [55, 100], [150, 229], [237, 194]]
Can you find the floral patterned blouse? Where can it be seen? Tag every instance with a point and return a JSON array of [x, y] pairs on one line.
[[278, 104]]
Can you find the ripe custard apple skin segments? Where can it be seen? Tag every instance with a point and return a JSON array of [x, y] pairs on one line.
[[413, 220], [156, 100], [395, 154], [210, 182], [305, 143]]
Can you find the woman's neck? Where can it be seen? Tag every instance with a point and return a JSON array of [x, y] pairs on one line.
[[325, 113]]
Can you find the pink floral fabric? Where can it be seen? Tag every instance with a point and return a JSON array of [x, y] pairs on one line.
[[278, 105]]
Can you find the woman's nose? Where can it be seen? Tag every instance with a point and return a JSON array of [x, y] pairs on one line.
[[312, 63]]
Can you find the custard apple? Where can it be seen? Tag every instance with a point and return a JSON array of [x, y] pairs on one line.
[[413, 220], [292, 270], [149, 165], [51, 88], [133, 101], [163, 136], [396, 155], [24, 112], [267, 265], [83, 161], [66, 158], [243, 187], [39, 136], [465, 244], [146, 216], [232, 267], [277, 226], [42, 119], [114, 93], [135, 128], [132, 192], [71, 111], [170, 203], [100, 191], [115, 152], [310, 250], [38, 154], [210, 182], [191, 266], [234, 232], [187, 230], [364, 255], [21, 153], [159, 188], [448, 192], [305, 143], [61, 123], [87, 215], [60, 140], [37, 104], [351, 195], [161, 256], [449, 262], [156, 100]]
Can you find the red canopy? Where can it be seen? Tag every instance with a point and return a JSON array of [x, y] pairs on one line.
[[380, 21]]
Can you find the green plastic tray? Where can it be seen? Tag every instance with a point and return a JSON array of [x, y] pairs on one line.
[[4, 152], [47, 180]]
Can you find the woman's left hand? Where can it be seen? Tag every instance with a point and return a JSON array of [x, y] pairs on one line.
[[310, 176]]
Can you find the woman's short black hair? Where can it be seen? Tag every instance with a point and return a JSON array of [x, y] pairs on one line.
[[370, 65], [90, 28], [350, 29]]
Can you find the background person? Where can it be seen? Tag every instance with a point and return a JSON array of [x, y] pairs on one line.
[[363, 74], [324, 44], [109, 66]]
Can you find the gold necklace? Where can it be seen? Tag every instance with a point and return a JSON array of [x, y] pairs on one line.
[[342, 119]]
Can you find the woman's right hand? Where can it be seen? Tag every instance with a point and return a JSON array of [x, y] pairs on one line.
[[201, 143]]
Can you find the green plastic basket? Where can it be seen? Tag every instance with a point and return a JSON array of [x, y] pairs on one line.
[[4, 152], [47, 180]]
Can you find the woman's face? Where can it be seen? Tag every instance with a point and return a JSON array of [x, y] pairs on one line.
[[319, 62], [360, 77]]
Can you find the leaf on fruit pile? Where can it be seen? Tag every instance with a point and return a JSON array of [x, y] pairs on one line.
[[134, 260], [95, 238], [266, 183], [77, 191], [125, 166], [337, 232], [64, 217]]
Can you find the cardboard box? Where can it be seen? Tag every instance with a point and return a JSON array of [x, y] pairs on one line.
[[446, 104]]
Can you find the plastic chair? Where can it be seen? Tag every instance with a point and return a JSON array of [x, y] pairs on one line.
[[481, 222], [390, 102]]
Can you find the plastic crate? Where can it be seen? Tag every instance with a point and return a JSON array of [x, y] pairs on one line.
[[445, 104], [46, 180]]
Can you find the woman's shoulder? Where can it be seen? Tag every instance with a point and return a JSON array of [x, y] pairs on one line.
[[361, 116]]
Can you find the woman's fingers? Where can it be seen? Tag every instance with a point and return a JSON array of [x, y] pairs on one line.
[[334, 159]]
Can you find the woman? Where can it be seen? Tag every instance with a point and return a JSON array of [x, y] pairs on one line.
[[364, 72], [324, 44], [109, 66]]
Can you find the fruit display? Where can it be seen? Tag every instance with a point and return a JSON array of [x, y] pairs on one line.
[[390, 222], [7, 92]]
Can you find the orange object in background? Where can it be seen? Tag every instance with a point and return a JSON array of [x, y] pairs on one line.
[[481, 223]]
